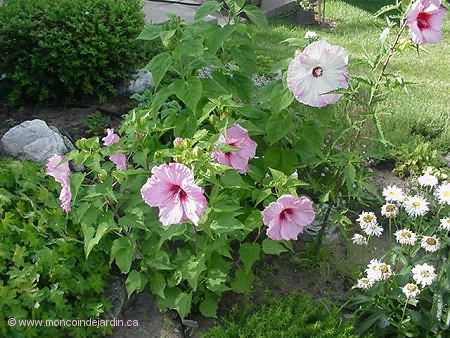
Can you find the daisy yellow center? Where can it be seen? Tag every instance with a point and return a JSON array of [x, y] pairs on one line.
[[411, 287], [425, 274], [317, 72], [406, 234], [367, 218], [390, 208], [431, 241], [384, 268], [446, 194], [392, 193], [416, 204]]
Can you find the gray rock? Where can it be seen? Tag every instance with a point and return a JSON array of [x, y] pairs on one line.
[[34, 140], [447, 160], [117, 293], [150, 322], [142, 80], [279, 7]]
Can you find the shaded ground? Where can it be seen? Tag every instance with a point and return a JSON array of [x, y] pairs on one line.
[[70, 120]]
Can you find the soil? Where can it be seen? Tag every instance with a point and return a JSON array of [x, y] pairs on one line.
[[68, 119]]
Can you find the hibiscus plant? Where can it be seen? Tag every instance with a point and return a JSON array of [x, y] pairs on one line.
[[213, 170]]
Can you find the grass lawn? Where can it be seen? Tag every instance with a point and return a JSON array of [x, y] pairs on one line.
[[426, 110]]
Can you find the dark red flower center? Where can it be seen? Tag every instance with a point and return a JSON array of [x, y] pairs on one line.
[[285, 213], [176, 190], [317, 72], [233, 143], [423, 20]]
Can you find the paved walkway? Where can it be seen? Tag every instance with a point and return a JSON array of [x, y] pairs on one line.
[[159, 12]]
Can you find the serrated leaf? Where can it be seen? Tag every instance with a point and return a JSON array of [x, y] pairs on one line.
[[134, 282], [159, 65], [249, 254], [157, 284], [271, 247], [243, 281], [90, 241], [150, 32], [75, 184], [183, 304], [122, 251], [256, 15], [208, 307], [207, 8]]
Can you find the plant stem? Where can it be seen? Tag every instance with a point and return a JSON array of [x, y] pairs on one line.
[[322, 229], [404, 310]]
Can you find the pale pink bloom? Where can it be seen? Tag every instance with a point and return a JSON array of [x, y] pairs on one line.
[[425, 19], [60, 171], [237, 137], [110, 138], [287, 217], [172, 189], [320, 69], [120, 160]]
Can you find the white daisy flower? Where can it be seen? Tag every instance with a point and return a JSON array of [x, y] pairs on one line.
[[364, 283], [367, 218], [430, 243], [359, 239], [309, 35], [427, 180], [423, 274], [389, 210], [411, 290], [416, 206], [443, 193], [373, 230], [445, 223], [377, 270], [392, 193], [405, 237]]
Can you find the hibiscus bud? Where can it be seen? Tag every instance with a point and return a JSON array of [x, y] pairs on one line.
[[196, 151], [178, 142]]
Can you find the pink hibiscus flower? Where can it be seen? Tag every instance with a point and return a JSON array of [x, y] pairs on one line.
[[287, 217], [172, 189], [237, 137], [424, 19], [60, 171], [320, 69], [120, 160], [110, 138]]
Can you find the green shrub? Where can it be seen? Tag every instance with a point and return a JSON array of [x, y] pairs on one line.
[[43, 272], [295, 316], [66, 49]]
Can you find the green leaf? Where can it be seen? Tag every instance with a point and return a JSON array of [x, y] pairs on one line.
[[189, 92], [243, 281], [278, 126], [161, 97], [134, 282], [166, 36], [273, 247], [157, 283], [192, 270], [207, 8], [183, 304], [208, 307], [256, 15], [150, 32], [280, 98], [90, 241], [232, 178], [159, 65], [217, 36], [122, 251], [75, 184], [249, 253]]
